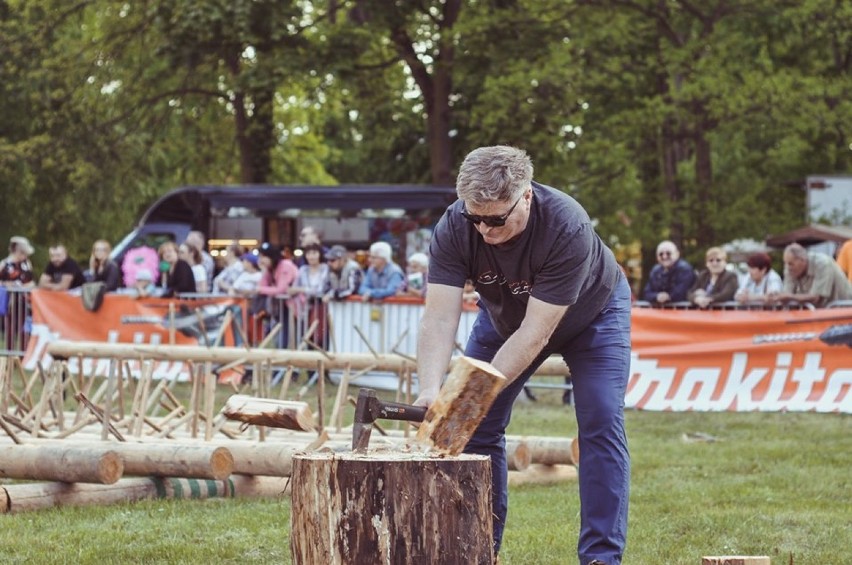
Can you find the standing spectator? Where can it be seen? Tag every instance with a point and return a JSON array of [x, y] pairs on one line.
[[344, 275], [102, 268], [177, 275], [223, 282], [16, 272], [844, 259], [416, 277], [311, 283], [383, 277], [62, 272], [715, 283], [197, 240], [762, 280], [278, 275], [548, 285], [671, 278], [192, 255], [811, 277]]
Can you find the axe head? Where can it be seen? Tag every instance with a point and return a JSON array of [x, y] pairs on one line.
[[369, 408]]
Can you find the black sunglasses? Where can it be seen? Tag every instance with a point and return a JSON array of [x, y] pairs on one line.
[[492, 221]]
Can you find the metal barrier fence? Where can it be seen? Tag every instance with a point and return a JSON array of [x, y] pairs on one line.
[[730, 305], [17, 321]]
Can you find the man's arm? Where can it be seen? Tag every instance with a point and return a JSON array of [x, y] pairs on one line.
[[529, 340], [436, 339]]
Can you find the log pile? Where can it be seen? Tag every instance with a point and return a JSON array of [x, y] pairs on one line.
[[130, 437]]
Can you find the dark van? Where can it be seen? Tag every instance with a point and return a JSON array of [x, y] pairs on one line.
[[352, 215]]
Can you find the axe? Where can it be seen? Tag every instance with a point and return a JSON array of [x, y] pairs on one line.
[[450, 421], [370, 408]]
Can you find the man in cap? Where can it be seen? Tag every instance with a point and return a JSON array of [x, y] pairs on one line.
[[344, 274]]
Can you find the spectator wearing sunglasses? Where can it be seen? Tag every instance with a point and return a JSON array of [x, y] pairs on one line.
[[715, 283], [671, 278], [547, 285]]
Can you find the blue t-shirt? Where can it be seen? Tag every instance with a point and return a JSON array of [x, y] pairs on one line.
[[558, 259]]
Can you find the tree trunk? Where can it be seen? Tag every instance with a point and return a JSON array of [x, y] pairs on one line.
[[390, 508]]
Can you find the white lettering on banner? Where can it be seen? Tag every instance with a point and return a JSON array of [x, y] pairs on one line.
[[647, 377], [838, 392], [739, 386], [41, 336], [652, 387], [772, 401], [703, 377], [810, 374]]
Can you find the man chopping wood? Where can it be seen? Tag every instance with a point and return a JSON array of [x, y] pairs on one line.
[[547, 285]]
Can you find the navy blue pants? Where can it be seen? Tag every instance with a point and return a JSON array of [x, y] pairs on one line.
[[599, 359]]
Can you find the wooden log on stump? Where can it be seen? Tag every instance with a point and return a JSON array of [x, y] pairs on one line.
[[39, 496], [463, 401], [390, 508], [289, 414], [59, 463]]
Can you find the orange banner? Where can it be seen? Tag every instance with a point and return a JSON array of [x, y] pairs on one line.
[[740, 360], [126, 319]]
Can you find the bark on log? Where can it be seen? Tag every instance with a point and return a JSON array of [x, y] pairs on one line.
[[554, 366], [58, 463], [390, 508], [38, 496], [550, 450], [288, 414], [163, 459], [463, 401]]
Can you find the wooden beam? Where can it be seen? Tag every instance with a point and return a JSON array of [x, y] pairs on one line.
[[222, 355]]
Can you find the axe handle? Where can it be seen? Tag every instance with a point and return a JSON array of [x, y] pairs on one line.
[[397, 411]]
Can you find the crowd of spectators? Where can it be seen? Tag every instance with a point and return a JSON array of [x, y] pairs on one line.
[[810, 277], [279, 284]]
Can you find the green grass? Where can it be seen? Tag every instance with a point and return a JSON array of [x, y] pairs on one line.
[[773, 484]]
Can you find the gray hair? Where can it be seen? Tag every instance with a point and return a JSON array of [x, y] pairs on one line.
[[490, 174], [381, 249], [419, 259], [796, 250]]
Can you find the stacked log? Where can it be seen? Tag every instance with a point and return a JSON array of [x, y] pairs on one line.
[[39, 496]]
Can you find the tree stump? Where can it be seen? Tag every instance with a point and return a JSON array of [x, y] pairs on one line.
[[390, 507]]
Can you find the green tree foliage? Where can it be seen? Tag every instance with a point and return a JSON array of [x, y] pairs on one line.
[[683, 120]]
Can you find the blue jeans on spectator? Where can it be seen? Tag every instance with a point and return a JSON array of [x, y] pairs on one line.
[[599, 359]]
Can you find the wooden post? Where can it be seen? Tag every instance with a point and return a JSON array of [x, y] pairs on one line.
[[390, 508]]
